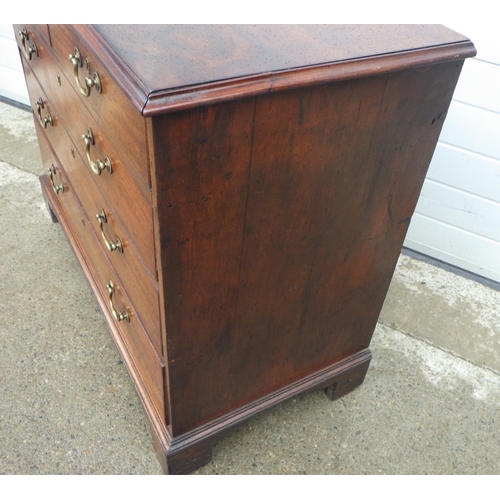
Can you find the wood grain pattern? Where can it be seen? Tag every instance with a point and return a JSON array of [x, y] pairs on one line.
[[190, 97], [282, 268], [169, 57], [206, 64], [338, 379], [201, 181]]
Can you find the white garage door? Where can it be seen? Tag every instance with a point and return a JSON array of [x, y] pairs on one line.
[[12, 84], [458, 214]]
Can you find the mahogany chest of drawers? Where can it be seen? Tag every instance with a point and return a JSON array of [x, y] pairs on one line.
[[238, 197]]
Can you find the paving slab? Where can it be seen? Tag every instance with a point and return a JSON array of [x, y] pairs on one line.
[[446, 310], [18, 141]]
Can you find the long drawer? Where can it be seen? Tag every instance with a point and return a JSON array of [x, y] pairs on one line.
[[145, 359], [131, 204]]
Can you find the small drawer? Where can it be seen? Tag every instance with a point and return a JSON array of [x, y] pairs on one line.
[[110, 107], [141, 354], [44, 111], [33, 41], [136, 279]]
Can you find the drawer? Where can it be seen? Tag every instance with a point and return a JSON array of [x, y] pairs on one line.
[[34, 45], [111, 108], [33, 40], [44, 112], [135, 278], [132, 204], [145, 359], [53, 169]]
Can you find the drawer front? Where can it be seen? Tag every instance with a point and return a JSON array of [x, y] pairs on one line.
[[146, 361], [132, 204], [143, 354], [111, 108], [44, 112], [136, 279]]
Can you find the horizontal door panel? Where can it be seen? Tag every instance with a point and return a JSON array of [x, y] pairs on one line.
[[479, 84], [460, 209], [13, 85], [461, 169], [454, 246], [474, 129], [9, 55]]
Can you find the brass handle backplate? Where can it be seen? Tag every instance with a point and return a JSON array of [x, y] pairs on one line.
[[118, 315], [56, 188], [44, 120], [98, 166], [94, 82], [110, 245], [28, 51]]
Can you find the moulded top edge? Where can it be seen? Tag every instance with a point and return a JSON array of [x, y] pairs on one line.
[[170, 61]]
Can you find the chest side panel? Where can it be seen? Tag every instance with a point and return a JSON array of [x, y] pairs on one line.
[[281, 220]]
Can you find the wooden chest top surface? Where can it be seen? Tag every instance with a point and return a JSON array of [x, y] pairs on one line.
[[174, 63], [182, 55]]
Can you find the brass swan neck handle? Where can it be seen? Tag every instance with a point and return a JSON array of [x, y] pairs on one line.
[[90, 83]]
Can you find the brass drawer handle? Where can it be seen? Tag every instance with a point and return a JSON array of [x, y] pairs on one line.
[[44, 120], [98, 166], [95, 81], [56, 188], [117, 245], [118, 315], [27, 51]]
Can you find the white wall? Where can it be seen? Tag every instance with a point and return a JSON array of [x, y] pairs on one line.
[[457, 219], [12, 83]]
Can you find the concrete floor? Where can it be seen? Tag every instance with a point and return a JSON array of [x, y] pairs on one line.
[[430, 403]]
